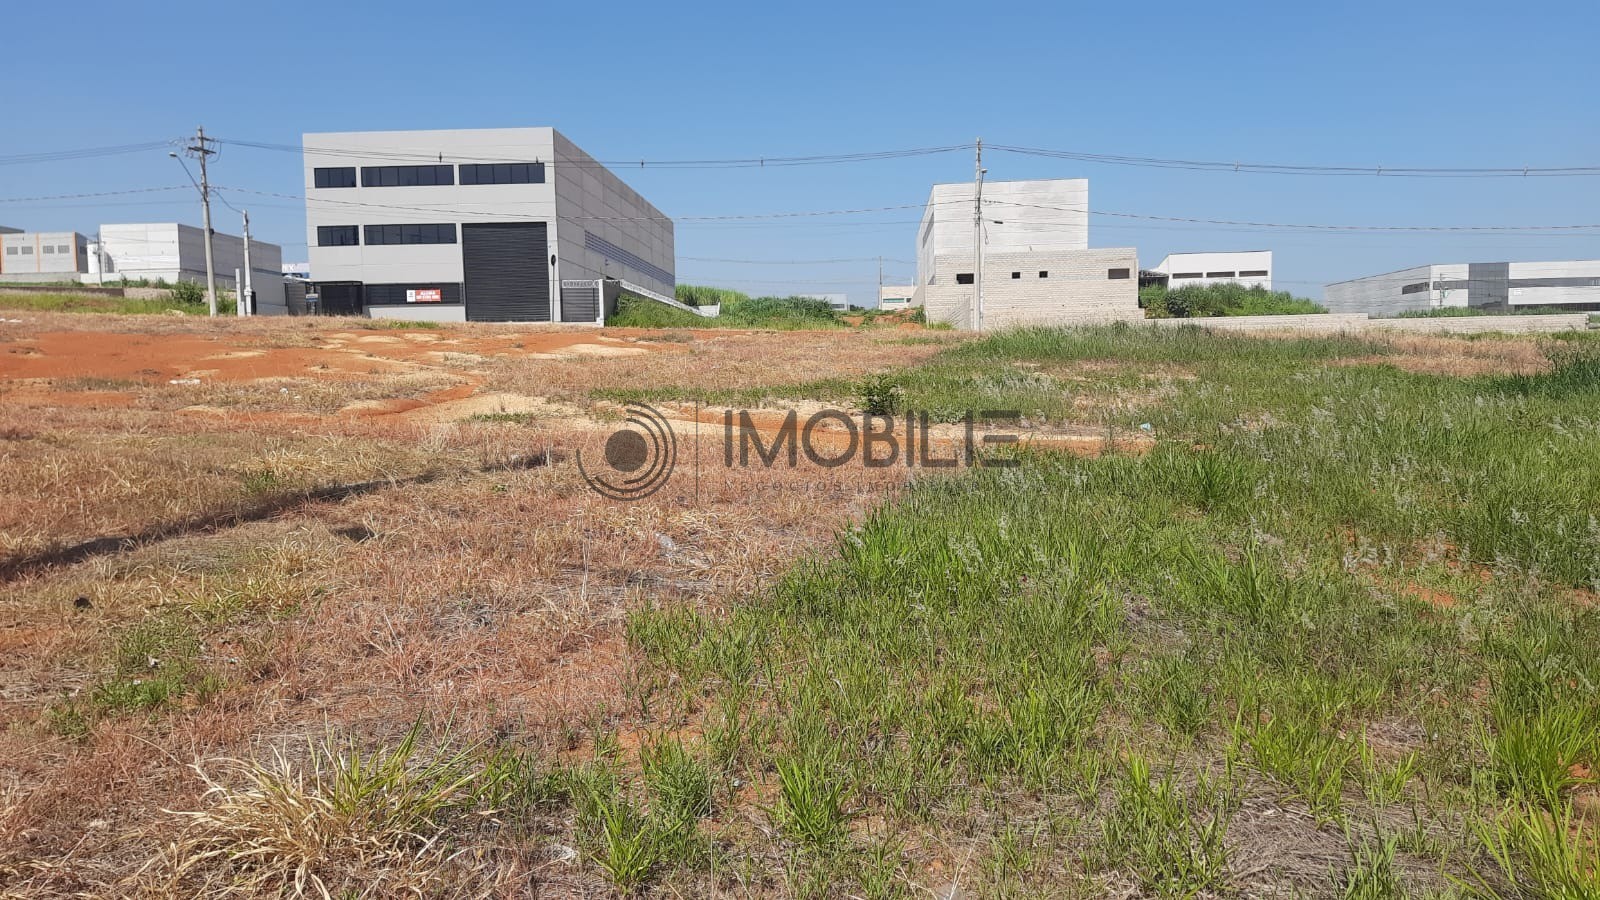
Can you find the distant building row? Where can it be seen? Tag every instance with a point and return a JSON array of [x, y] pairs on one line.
[[168, 252], [1494, 287]]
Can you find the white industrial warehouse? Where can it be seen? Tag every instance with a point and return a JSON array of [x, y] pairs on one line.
[[166, 252], [1249, 268], [489, 225], [1038, 267], [1495, 286]]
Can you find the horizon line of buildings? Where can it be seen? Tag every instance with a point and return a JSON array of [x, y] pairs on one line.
[[520, 225]]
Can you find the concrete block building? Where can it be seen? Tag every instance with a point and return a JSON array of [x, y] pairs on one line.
[[171, 252], [1251, 268], [43, 255], [1037, 264], [1497, 286], [475, 225]]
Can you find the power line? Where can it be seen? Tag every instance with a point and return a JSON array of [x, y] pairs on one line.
[[797, 262], [1234, 166], [149, 190], [1290, 169], [753, 162], [85, 153], [736, 217], [1301, 226]]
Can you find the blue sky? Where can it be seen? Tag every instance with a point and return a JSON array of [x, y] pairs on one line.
[[1397, 84]]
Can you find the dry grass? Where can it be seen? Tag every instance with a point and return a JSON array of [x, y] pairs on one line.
[[297, 645], [491, 598]]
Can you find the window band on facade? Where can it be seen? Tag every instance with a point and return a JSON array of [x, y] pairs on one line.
[[334, 177], [407, 176], [338, 236], [502, 173], [441, 233]]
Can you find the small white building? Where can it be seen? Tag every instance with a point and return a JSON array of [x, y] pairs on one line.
[[1251, 268], [172, 252], [1501, 287], [836, 302], [43, 255], [1037, 264], [894, 297]]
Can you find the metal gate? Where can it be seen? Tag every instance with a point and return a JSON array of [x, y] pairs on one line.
[[580, 301], [507, 267]]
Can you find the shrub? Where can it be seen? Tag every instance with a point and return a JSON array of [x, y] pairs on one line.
[[880, 396], [189, 293], [701, 295], [1196, 301]]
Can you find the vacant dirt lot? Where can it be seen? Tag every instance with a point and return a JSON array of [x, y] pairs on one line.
[[222, 536], [239, 540]]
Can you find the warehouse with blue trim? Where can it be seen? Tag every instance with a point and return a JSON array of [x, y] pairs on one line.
[[483, 225]]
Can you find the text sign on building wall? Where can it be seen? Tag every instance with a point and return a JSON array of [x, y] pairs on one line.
[[425, 295]]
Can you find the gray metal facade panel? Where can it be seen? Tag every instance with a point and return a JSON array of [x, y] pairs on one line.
[[1488, 285], [507, 267], [580, 304]]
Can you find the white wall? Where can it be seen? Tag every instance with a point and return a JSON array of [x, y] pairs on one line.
[[1384, 295], [174, 252], [1021, 217], [427, 204], [1077, 290], [43, 252], [1210, 265], [1381, 295], [1586, 270]]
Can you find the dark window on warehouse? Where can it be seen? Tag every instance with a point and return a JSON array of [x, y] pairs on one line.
[[1219, 274], [50, 249], [1043, 274], [407, 176], [444, 233], [1253, 273], [1016, 274], [1416, 288], [11, 251], [502, 173], [1189, 275], [27, 251], [963, 278], [1117, 273], [337, 177], [338, 236]]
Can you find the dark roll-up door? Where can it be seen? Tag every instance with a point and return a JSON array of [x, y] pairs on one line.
[[507, 271], [580, 304]]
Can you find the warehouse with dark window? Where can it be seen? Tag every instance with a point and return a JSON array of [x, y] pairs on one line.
[[483, 225]]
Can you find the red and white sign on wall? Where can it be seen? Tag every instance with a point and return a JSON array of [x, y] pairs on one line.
[[425, 295]]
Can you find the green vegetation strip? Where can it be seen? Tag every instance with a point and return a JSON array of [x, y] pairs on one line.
[[1111, 656]]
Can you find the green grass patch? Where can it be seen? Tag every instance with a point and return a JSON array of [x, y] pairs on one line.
[[100, 303], [1228, 603]]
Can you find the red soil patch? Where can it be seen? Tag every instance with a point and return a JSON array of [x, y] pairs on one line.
[[157, 358], [1431, 596]]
